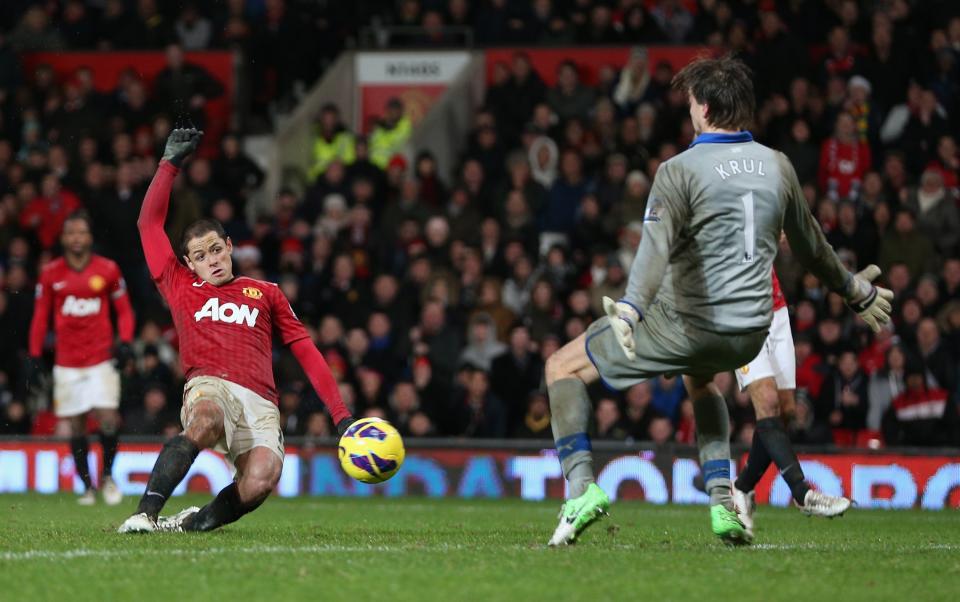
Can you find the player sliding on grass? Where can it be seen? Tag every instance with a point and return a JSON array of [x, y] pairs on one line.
[[770, 379], [698, 300], [78, 289], [226, 326]]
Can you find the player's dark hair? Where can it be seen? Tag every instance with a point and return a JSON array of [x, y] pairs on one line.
[[725, 85], [199, 228], [79, 215]]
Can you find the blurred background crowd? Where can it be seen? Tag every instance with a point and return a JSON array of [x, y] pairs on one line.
[[435, 297]]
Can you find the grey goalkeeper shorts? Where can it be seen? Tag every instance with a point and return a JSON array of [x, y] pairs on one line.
[[665, 344]]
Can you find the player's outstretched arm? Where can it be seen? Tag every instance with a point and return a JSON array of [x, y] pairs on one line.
[[153, 213], [872, 303], [316, 369]]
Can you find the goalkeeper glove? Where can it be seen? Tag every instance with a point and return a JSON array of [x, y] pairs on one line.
[[624, 317], [180, 143], [872, 303]]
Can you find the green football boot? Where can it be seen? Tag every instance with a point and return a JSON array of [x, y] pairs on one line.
[[579, 513], [727, 526]]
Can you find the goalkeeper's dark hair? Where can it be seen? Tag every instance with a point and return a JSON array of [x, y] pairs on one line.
[[725, 85], [198, 229]]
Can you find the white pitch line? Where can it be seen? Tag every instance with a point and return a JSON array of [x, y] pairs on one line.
[[94, 553], [12, 556]]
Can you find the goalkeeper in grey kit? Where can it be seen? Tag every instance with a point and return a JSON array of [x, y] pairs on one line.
[[699, 297]]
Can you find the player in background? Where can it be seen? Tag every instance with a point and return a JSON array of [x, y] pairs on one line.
[[699, 299], [78, 289], [226, 325], [770, 380]]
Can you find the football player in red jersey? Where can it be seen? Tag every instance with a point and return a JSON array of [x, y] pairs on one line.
[[226, 325], [78, 289], [770, 380]]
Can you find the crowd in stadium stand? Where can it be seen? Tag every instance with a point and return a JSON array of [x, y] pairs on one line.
[[436, 297]]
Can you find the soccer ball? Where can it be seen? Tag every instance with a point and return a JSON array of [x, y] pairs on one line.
[[371, 450]]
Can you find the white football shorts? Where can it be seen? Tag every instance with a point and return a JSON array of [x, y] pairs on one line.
[[248, 420], [76, 391], [777, 358]]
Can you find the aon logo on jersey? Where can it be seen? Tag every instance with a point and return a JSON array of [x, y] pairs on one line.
[[230, 313], [80, 307]]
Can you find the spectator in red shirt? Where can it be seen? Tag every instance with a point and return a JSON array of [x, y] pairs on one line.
[[844, 159], [46, 213]]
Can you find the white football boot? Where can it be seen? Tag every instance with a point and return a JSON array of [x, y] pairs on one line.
[[817, 503], [110, 492], [138, 523], [745, 505], [89, 497], [175, 523]]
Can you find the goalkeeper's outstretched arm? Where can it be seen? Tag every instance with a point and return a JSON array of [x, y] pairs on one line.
[[872, 303]]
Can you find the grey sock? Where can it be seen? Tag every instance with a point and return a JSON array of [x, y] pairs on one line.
[[569, 417], [713, 438]]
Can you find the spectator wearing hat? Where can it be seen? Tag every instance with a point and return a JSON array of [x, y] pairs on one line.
[[936, 209], [482, 344]]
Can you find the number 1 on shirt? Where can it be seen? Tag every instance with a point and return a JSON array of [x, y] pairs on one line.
[[748, 234]]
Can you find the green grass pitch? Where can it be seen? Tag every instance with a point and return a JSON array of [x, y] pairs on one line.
[[420, 549]]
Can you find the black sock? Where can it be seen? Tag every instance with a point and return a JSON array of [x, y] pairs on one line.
[[109, 443], [223, 510], [79, 447], [777, 444], [757, 463], [175, 460]]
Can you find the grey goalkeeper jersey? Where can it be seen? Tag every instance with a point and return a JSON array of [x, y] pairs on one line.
[[711, 233]]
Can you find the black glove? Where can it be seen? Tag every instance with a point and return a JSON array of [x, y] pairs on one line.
[[124, 355], [344, 424], [34, 370], [180, 143]]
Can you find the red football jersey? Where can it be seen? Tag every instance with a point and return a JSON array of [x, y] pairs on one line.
[[227, 331], [80, 302], [779, 301]]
